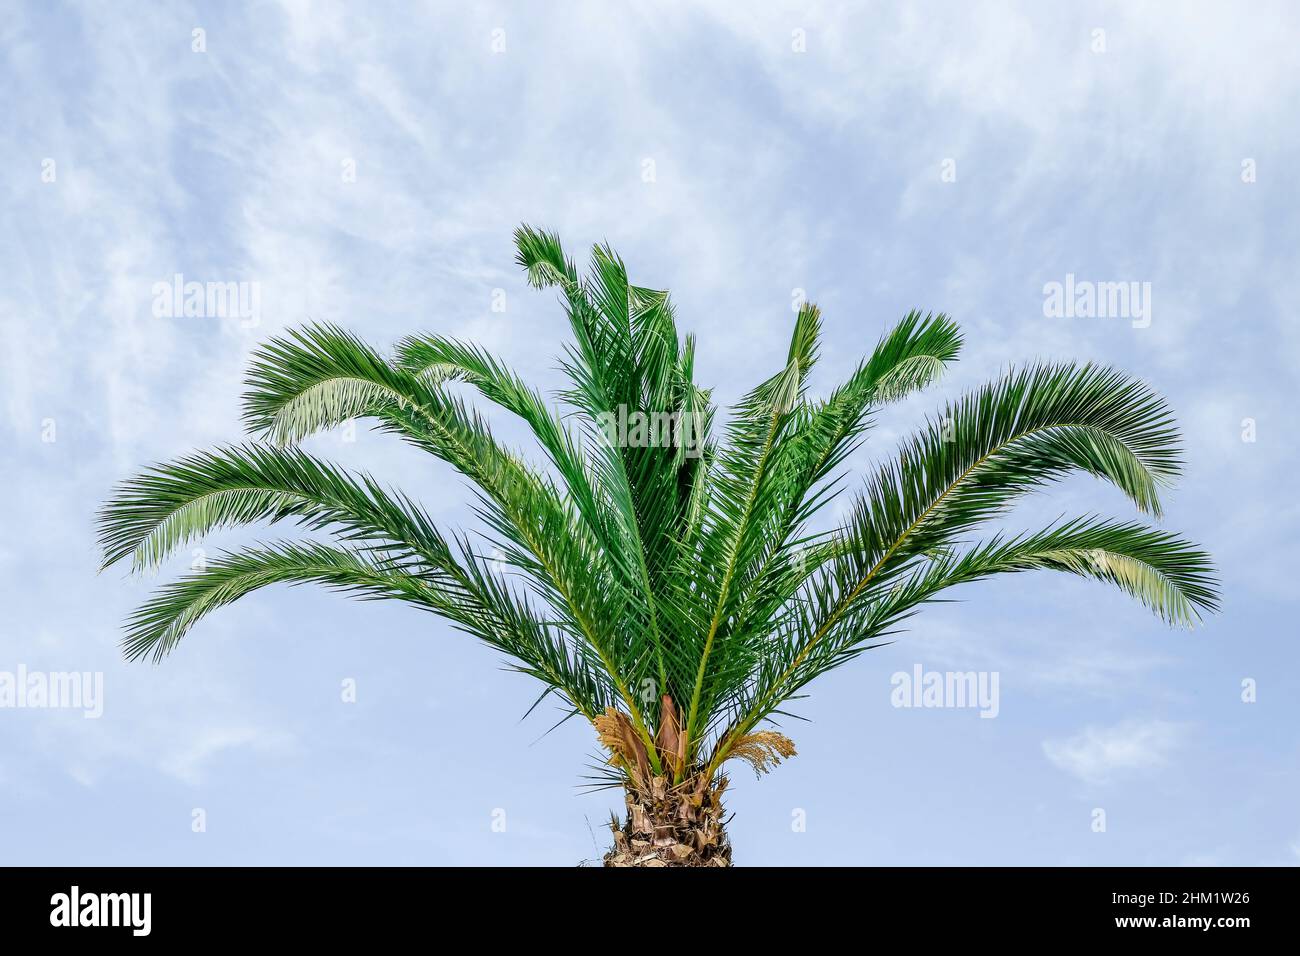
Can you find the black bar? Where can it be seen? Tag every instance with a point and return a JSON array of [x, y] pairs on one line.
[[335, 905]]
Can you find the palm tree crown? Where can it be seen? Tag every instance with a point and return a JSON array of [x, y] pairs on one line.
[[665, 583]]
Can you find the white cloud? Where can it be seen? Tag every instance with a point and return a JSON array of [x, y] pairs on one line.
[[188, 763], [1099, 753]]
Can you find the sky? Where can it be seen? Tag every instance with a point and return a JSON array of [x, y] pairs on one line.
[[366, 165]]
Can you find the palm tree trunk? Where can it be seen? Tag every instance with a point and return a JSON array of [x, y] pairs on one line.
[[672, 826]]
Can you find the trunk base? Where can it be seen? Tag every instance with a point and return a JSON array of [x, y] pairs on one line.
[[672, 826]]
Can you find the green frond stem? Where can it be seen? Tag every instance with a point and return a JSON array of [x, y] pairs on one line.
[[909, 357], [814, 440], [778, 400]]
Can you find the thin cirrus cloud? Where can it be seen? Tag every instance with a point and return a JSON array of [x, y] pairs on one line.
[[1100, 754]]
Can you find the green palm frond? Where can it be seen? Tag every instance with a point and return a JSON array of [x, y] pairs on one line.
[[319, 377], [175, 608], [539, 528], [170, 505], [1169, 575]]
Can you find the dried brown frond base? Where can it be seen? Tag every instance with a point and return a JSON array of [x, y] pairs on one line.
[[672, 826]]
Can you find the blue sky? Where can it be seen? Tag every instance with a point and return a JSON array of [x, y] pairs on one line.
[[1162, 150]]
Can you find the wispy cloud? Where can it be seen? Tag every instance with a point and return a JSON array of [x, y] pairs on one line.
[[1099, 754], [189, 763]]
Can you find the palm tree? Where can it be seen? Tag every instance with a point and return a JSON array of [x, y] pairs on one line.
[[663, 579]]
